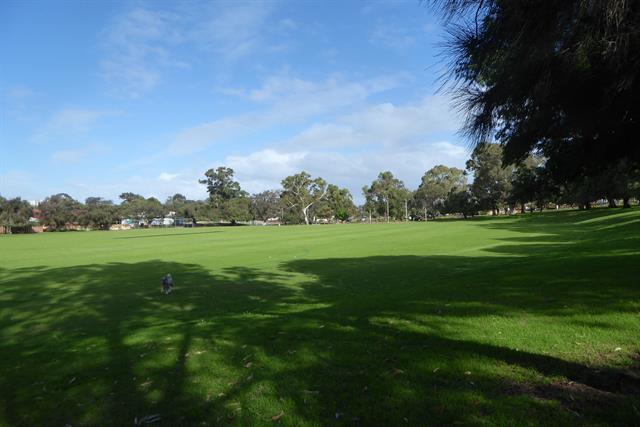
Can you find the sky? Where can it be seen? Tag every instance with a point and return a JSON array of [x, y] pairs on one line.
[[100, 98]]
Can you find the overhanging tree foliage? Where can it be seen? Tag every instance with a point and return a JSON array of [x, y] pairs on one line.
[[560, 78]]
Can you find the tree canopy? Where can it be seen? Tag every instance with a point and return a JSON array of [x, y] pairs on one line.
[[436, 185], [14, 212], [387, 196], [221, 186], [301, 192], [59, 210], [491, 180], [559, 78]]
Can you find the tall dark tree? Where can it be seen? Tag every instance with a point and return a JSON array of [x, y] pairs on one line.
[[130, 197], [236, 209], [531, 182], [136, 206], [98, 213], [267, 204], [340, 203], [436, 185], [175, 202], [461, 201], [559, 77], [388, 196], [221, 186], [491, 180]]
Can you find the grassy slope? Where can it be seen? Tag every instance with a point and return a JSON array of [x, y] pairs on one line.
[[521, 320]]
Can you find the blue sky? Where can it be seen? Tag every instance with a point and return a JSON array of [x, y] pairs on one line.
[[99, 98]]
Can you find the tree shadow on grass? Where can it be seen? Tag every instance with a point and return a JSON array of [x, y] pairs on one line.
[[390, 340]]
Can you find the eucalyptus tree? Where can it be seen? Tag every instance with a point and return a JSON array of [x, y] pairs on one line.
[[491, 180], [301, 192], [436, 185], [388, 196]]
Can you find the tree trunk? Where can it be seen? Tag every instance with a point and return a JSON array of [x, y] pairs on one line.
[[425, 213], [387, 211], [625, 202], [612, 202], [522, 208], [587, 205], [306, 217]]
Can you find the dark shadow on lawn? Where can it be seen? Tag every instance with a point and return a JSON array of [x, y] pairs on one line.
[[99, 345]]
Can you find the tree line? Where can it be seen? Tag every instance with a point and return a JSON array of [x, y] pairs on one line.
[[303, 199]]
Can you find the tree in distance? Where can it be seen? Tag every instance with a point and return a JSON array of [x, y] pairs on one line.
[[436, 185], [59, 210], [14, 213], [267, 204], [98, 213], [301, 192], [387, 196], [221, 186], [492, 181], [226, 196]]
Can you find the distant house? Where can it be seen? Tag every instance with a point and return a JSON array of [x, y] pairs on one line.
[[128, 221]]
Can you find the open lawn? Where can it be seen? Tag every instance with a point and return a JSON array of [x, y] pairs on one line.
[[527, 320]]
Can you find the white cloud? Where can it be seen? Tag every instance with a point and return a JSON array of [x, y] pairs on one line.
[[382, 124], [77, 154], [17, 102], [138, 46], [451, 150], [264, 169], [350, 149], [143, 44], [392, 36], [288, 24], [164, 176], [69, 122], [19, 92], [233, 30], [20, 183], [288, 100]]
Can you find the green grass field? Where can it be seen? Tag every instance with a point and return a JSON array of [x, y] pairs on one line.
[[527, 320]]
